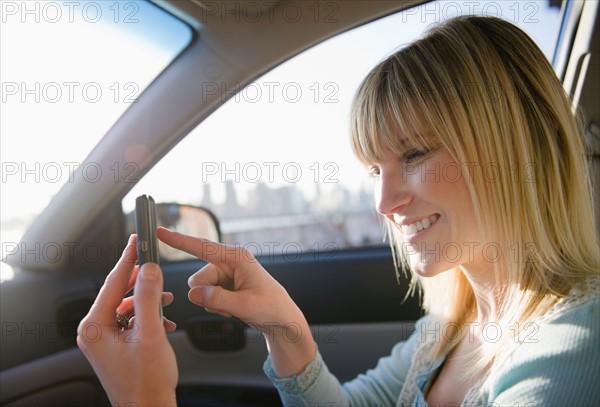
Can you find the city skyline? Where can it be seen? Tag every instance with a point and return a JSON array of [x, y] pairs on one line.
[[264, 200]]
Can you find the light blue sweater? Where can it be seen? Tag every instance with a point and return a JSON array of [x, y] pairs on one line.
[[556, 363]]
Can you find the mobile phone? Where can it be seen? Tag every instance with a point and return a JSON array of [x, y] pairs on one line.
[[145, 225]]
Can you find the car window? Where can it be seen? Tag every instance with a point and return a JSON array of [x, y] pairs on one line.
[[68, 72], [274, 162]]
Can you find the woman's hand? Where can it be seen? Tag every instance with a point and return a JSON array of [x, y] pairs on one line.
[[136, 364], [233, 283]]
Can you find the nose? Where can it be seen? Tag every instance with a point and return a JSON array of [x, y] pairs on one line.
[[391, 194]]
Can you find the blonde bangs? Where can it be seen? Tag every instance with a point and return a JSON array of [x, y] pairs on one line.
[[389, 114]]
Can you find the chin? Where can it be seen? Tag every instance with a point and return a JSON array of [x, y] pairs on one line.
[[427, 267]]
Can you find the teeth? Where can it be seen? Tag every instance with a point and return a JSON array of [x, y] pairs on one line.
[[419, 225]]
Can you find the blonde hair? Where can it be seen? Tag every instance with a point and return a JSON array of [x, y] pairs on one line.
[[487, 94]]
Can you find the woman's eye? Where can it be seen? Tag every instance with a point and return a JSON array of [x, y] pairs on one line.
[[412, 156], [374, 172]]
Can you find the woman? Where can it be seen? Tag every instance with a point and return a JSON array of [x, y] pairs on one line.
[[481, 175]]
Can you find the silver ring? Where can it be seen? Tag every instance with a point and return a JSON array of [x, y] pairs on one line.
[[122, 320]]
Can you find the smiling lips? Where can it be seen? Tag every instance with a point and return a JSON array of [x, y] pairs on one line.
[[415, 227]]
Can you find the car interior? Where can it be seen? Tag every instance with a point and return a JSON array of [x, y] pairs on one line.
[[349, 290]]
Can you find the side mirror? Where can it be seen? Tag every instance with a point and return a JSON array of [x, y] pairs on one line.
[[190, 220]]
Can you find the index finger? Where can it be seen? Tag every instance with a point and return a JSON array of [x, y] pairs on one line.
[[207, 250]]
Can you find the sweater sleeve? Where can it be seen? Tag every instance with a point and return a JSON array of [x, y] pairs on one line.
[[316, 386], [557, 365]]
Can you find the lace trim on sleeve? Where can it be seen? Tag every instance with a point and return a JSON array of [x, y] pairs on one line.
[[420, 362], [296, 384]]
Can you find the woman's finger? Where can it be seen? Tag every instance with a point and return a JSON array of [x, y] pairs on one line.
[[218, 300], [207, 250], [147, 297], [209, 275], [115, 286], [169, 325], [133, 277], [167, 298], [127, 306]]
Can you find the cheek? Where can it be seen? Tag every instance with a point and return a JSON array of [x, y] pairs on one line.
[[427, 183], [442, 183]]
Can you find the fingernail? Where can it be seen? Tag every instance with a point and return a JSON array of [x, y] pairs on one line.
[[130, 239], [149, 272]]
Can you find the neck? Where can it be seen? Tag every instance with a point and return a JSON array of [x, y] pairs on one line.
[[487, 294]]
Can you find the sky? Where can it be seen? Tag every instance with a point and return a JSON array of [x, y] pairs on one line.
[[67, 74]]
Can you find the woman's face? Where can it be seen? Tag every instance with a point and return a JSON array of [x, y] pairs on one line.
[[424, 194]]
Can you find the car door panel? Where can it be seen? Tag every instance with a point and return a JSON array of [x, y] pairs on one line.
[[63, 378]]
